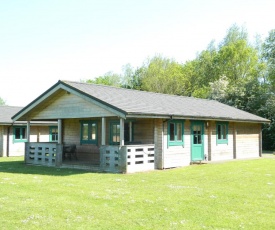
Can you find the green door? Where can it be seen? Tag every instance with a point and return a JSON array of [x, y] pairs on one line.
[[197, 139]]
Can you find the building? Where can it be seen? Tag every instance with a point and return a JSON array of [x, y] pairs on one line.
[[121, 130]]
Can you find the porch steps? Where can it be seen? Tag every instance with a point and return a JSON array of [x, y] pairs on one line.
[[92, 168]]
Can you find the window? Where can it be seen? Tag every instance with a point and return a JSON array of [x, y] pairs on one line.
[[175, 132], [222, 133], [20, 134], [115, 132], [88, 132], [53, 133]]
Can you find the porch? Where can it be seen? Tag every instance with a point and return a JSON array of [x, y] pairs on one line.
[[115, 159]]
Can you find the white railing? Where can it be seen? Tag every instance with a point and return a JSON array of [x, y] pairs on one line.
[[128, 158], [140, 158]]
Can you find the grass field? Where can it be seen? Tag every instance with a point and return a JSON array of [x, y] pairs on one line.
[[232, 195]]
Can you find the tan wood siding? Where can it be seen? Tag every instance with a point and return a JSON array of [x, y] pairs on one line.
[[158, 140], [221, 151], [176, 156], [247, 140], [71, 135], [144, 131], [69, 106], [2, 150]]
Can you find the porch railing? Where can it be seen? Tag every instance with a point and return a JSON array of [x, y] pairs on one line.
[[128, 158], [41, 153]]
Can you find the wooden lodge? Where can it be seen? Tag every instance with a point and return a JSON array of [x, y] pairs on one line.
[[13, 135], [110, 129]]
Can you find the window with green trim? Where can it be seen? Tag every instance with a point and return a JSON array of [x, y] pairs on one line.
[[20, 134], [175, 132], [53, 133], [222, 133], [115, 132], [88, 132]]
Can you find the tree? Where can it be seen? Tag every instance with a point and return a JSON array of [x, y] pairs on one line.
[[269, 56], [2, 102], [162, 75], [109, 78]]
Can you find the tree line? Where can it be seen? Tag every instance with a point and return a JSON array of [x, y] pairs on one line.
[[234, 71]]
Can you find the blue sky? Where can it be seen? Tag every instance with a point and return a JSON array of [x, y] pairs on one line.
[[44, 41]]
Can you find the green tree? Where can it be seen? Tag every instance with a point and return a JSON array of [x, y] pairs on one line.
[[109, 78], [2, 102], [162, 75], [269, 57]]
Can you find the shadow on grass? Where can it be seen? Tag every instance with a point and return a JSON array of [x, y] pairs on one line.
[[19, 167]]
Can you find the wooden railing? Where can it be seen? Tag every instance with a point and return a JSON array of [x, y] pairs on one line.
[[140, 158], [128, 158], [40, 153]]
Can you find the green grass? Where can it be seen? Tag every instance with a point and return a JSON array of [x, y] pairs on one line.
[[232, 195]]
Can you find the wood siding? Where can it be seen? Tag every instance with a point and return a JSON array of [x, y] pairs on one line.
[[71, 135], [2, 141], [66, 105], [247, 140], [221, 151], [176, 156], [38, 134], [158, 140]]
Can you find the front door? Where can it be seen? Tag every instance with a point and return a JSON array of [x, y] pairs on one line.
[[197, 139]]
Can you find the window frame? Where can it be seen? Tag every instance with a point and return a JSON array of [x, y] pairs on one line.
[[176, 142], [21, 139], [223, 140], [111, 142], [114, 122], [51, 133], [90, 124]]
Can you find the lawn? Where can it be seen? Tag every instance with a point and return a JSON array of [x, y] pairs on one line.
[[231, 195]]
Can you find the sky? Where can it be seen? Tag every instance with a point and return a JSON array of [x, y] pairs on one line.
[[42, 42]]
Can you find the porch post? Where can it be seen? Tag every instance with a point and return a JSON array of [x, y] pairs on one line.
[[103, 131], [59, 131], [121, 132], [28, 131], [59, 148], [130, 130]]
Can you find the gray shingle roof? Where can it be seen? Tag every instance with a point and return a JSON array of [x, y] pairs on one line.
[[6, 112], [134, 102]]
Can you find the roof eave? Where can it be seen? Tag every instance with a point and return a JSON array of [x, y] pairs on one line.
[[172, 116]]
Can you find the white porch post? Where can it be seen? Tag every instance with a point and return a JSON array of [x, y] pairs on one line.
[[59, 131], [103, 131], [121, 132], [28, 131]]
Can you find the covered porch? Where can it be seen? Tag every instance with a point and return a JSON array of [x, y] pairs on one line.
[[116, 154]]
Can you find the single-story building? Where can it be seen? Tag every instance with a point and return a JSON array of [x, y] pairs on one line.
[[13, 135], [122, 130]]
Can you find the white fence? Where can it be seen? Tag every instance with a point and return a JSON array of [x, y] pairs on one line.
[[140, 158]]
